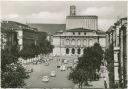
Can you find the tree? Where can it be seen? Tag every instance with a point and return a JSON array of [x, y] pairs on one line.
[[98, 55], [87, 65], [109, 57], [43, 46], [12, 72], [79, 77]]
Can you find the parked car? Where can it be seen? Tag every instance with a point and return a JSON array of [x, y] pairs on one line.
[[34, 62], [63, 68], [53, 74], [45, 79], [65, 61], [58, 66], [29, 70], [46, 64], [75, 61]]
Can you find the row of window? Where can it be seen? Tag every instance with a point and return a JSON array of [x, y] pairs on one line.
[[73, 42], [79, 33], [73, 51]]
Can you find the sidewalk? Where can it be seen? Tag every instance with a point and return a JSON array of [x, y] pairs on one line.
[[94, 84]]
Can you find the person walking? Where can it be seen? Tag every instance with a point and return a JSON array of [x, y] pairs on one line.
[[105, 82]]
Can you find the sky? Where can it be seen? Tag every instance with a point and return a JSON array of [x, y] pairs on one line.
[[55, 12]]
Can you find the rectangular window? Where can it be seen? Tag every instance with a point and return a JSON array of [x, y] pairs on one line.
[[84, 33], [79, 33], [73, 33]]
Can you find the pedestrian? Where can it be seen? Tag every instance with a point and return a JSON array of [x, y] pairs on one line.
[[105, 82]]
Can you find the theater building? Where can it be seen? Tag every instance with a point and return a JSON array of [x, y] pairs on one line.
[[80, 32]]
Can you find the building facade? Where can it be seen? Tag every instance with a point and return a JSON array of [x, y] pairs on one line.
[[8, 38], [117, 36], [72, 42], [80, 32], [77, 21], [25, 35]]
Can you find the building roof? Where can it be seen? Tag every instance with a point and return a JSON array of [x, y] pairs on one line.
[[100, 31], [82, 17], [84, 30], [80, 30], [12, 25]]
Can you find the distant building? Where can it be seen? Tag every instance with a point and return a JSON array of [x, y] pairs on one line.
[[76, 21], [25, 34], [80, 32], [117, 35], [72, 42]]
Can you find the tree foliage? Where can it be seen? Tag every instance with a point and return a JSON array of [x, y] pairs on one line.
[[12, 72], [43, 46], [109, 56], [87, 65]]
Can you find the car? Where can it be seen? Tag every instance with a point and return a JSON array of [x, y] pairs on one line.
[[58, 66], [34, 62], [29, 70], [63, 68], [39, 62], [65, 61], [45, 79], [53, 74], [46, 64], [75, 61]]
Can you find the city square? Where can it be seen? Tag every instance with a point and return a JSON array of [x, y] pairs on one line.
[[64, 44], [59, 81]]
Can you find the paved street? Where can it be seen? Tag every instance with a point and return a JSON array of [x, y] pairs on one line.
[[60, 81]]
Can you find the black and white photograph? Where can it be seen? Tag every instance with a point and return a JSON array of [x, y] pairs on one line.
[[49, 44]]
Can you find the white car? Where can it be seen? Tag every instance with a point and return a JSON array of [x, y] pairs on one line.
[[53, 74], [46, 64], [63, 68], [75, 61], [65, 61], [45, 79]]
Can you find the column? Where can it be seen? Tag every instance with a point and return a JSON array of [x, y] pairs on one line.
[[116, 64], [127, 52], [70, 51]]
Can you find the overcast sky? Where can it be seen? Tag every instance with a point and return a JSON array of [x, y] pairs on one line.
[[56, 11]]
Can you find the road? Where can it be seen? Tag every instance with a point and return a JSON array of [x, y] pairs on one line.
[[60, 81], [39, 70]]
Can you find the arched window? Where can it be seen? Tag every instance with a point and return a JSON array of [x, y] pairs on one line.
[[73, 51], [78, 42], [67, 50], [90, 42], [78, 51], [73, 42], [67, 41], [85, 42]]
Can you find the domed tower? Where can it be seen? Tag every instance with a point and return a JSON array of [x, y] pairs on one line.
[[72, 10]]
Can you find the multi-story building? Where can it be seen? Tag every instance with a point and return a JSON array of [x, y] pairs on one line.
[[25, 34], [80, 32], [118, 37], [78, 21], [8, 38]]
